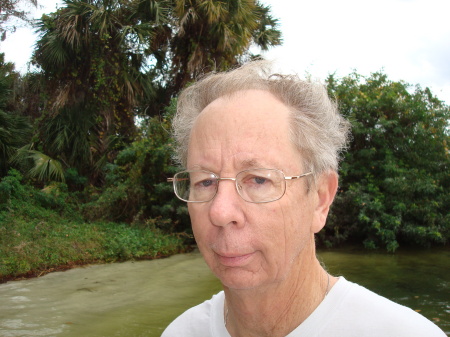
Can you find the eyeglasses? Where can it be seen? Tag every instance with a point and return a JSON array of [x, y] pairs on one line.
[[256, 185]]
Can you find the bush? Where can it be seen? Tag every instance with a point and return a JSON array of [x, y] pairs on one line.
[[394, 181], [18, 196], [9, 185], [136, 186], [41, 231]]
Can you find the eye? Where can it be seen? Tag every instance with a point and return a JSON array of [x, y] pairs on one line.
[[255, 181], [260, 180], [206, 183]]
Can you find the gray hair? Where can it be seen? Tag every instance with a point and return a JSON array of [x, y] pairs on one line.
[[317, 129]]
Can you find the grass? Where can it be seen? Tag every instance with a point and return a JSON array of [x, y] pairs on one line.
[[37, 247], [40, 233]]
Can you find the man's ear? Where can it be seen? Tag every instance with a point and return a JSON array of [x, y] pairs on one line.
[[326, 187]]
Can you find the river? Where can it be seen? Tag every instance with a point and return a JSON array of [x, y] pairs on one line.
[[136, 299]]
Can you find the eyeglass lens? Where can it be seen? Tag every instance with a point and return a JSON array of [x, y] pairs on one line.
[[258, 185]]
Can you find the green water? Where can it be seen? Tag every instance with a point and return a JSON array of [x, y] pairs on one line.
[[141, 298]]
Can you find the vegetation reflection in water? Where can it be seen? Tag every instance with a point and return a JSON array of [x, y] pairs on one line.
[[142, 298]]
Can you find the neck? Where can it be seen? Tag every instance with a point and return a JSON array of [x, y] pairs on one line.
[[277, 309]]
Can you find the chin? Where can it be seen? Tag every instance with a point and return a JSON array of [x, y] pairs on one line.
[[240, 279]]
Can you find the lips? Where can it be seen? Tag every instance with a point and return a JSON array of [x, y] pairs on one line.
[[234, 260]]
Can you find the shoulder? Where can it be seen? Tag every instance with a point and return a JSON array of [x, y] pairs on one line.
[[198, 320], [360, 309]]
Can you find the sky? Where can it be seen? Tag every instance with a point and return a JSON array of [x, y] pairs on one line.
[[408, 40]]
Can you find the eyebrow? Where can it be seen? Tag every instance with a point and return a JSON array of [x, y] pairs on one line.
[[250, 163], [244, 165]]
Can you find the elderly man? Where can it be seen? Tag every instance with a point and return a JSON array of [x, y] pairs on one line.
[[261, 155]]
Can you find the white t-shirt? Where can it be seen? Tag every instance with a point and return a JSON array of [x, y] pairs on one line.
[[349, 310]]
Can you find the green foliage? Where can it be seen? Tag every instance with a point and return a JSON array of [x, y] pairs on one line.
[[17, 196], [136, 184], [394, 178], [9, 186], [125, 242], [216, 35], [103, 62], [15, 129], [74, 180], [38, 165], [41, 231], [30, 246], [92, 57]]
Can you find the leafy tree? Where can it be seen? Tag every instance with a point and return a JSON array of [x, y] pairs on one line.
[[91, 55], [214, 35], [136, 188], [199, 36], [104, 61], [394, 178], [38, 165], [15, 129]]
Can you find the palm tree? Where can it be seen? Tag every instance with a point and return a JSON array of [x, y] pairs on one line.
[[38, 165], [105, 60], [92, 49], [199, 36], [215, 35], [91, 52]]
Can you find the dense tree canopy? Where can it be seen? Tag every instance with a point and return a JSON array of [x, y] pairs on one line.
[[395, 179], [105, 61], [91, 60], [212, 35], [15, 129]]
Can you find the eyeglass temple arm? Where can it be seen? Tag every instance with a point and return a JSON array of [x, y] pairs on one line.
[[170, 180], [298, 177]]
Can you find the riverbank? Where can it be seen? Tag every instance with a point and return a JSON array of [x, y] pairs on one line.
[[30, 248], [42, 233], [44, 230]]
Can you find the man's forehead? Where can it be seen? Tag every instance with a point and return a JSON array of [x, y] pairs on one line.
[[248, 97], [250, 130], [241, 164], [247, 112]]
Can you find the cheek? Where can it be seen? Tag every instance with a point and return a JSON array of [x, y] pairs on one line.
[[276, 231], [296, 222], [197, 217], [194, 214]]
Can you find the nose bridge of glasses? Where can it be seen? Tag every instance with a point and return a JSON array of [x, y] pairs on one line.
[[238, 187], [233, 179]]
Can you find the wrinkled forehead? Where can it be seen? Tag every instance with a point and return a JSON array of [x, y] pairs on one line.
[[246, 122], [243, 105]]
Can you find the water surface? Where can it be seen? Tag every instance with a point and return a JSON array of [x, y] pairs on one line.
[[142, 298]]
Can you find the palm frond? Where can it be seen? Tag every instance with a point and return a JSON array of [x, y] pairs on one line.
[[39, 165]]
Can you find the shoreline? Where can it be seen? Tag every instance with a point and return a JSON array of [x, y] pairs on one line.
[[79, 264]]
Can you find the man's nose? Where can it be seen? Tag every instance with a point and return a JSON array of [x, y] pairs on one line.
[[227, 206]]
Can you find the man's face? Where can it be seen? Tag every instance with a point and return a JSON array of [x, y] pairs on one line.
[[245, 244]]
